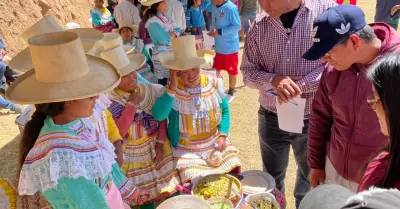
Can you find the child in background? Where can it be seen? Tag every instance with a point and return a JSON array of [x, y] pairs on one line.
[[353, 2], [195, 18]]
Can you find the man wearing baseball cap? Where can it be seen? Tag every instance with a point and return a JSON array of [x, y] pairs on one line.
[[344, 132]]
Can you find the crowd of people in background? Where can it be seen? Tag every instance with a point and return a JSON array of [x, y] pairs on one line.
[[140, 127]]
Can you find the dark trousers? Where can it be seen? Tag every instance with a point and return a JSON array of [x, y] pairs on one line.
[[275, 146]]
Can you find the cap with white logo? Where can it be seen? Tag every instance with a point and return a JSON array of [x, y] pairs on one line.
[[333, 26]]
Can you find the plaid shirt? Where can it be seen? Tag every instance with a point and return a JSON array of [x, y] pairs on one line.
[[270, 51]]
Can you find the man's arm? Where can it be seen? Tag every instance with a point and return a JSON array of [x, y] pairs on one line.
[[319, 131], [309, 83], [254, 76]]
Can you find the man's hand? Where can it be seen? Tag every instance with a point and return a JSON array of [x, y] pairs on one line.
[[286, 88], [213, 33], [2, 52], [317, 177]]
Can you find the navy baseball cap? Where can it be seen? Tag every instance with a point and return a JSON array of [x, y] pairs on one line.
[[333, 26]]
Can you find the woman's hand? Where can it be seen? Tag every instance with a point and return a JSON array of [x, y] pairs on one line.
[[172, 35], [142, 197], [135, 98], [194, 29], [173, 80], [118, 152], [220, 143], [159, 153]]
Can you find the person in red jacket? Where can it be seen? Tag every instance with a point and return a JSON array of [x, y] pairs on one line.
[[383, 171], [344, 132]]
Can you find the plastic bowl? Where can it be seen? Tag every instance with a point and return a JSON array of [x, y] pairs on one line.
[[214, 200], [185, 202], [265, 196], [233, 198]]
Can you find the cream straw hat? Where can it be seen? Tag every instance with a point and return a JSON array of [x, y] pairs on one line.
[[62, 72], [184, 55], [148, 3], [134, 28], [113, 52], [23, 60], [110, 40]]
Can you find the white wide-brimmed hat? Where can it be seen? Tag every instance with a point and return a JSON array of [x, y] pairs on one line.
[[148, 3], [62, 72], [110, 40], [184, 55], [23, 60], [113, 52], [134, 28]]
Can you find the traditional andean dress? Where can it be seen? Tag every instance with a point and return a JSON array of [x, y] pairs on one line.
[[73, 166], [158, 27], [142, 133], [197, 117]]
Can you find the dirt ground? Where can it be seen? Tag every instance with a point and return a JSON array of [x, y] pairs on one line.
[[244, 129]]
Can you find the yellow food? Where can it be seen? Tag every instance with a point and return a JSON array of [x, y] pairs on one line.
[[262, 204], [213, 187]]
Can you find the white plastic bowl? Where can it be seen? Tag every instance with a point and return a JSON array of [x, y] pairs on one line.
[[185, 202], [265, 196]]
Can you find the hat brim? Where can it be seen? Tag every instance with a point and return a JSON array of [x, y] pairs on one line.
[[150, 2], [318, 50], [101, 78], [325, 197], [168, 60], [136, 62], [23, 60], [134, 28]]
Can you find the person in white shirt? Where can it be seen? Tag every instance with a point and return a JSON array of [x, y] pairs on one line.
[[127, 12], [177, 13]]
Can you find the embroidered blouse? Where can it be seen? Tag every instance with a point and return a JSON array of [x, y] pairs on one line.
[[194, 112], [73, 166], [158, 27]]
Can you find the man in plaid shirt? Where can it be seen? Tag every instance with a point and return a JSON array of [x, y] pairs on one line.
[[273, 60]]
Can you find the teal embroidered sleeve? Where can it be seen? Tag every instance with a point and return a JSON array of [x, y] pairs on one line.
[[173, 128], [78, 193], [125, 186], [158, 34], [226, 117], [163, 106], [95, 18]]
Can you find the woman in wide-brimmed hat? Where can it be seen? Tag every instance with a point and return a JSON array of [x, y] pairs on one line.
[[146, 152], [126, 31], [198, 113], [63, 154], [161, 30]]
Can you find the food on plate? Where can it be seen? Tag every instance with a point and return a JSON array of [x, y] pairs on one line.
[[216, 186], [262, 204], [220, 205]]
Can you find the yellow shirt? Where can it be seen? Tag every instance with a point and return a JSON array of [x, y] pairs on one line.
[[113, 131]]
